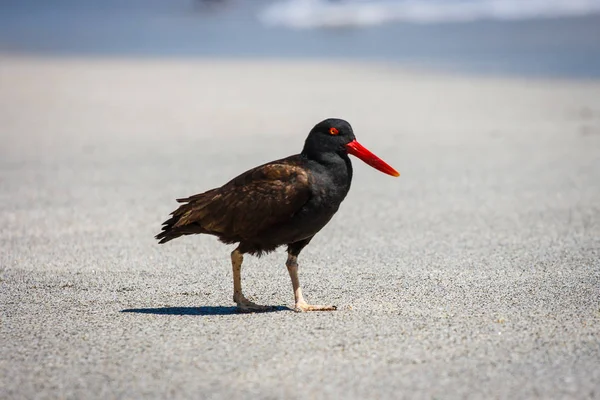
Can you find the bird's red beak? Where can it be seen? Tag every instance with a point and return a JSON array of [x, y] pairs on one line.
[[358, 150]]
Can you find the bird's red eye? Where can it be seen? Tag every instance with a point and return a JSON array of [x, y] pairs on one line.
[[333, 131]]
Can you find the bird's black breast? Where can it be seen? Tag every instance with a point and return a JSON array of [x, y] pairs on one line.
[[329, 185]]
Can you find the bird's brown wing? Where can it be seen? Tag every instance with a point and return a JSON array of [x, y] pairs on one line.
[[247, 205]]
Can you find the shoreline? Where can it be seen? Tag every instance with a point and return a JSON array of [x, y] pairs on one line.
[[398, 67]]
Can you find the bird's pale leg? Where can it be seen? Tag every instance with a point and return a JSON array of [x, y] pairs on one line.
[[301, 304], [242, 302]]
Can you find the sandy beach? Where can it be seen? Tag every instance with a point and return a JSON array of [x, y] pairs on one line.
[[476, 274]]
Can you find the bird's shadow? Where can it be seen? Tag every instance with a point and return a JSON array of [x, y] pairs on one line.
[[207, 310]]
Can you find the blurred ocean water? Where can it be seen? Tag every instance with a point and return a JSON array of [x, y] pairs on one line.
[[332, 13], [553, 38]]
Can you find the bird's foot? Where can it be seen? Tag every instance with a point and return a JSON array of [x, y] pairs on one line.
[[303, 306], [246, 306]]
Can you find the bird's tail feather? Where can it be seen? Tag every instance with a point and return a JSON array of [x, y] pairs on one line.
[[173, 227], [168, 231]]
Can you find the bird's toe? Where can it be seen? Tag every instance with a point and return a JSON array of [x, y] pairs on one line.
[[247, 306], [302, 307]]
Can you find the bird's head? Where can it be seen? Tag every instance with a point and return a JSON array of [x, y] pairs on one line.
[[336, 136]]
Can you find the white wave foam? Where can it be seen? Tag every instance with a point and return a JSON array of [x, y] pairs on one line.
[[330, 13]]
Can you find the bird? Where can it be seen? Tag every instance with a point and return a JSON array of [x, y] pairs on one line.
[[285, 202]]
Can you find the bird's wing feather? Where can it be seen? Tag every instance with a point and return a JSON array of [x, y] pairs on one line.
[[249, 204]]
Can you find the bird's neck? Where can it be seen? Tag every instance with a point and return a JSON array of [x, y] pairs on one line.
[[336, 165]]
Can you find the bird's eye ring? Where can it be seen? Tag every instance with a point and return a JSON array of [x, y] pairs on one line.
[[333, 131]]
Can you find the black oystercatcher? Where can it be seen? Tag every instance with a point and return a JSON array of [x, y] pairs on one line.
[[284, 202]]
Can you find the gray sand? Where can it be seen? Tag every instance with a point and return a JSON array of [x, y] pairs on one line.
[[475, 274]]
